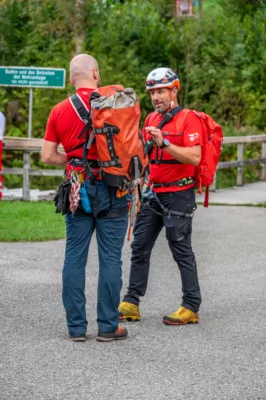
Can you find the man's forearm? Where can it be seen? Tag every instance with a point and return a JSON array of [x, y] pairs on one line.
[[186, 155], [57, 159]]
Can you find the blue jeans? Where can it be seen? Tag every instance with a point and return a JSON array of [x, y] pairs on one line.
[[110, 235]]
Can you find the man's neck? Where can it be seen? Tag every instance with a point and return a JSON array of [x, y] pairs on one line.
[[170, 108], [84, 84]]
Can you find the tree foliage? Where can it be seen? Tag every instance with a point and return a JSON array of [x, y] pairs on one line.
[[220, 58]]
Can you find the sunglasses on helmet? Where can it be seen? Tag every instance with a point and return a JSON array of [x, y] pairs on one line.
[[153, 82]]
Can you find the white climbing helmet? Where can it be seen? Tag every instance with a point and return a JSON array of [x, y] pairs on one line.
[[162, 78]]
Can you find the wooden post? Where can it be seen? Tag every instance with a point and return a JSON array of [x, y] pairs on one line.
[[200, 8], [263, 155], [190, 8], [26, 176], [213, 185], [79, 35], [178, 11], [240, 169]]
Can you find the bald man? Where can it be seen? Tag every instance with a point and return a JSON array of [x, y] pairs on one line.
[[64, 126]]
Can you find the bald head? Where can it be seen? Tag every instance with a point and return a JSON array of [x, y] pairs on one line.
[[84, 71]]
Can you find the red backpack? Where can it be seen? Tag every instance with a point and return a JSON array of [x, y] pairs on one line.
[[211, 150]]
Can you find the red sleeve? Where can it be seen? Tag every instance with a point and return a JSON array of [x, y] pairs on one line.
[[193, 131], [50, 133]]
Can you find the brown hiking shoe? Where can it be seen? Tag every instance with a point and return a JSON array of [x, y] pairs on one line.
[[77, 339], [120, 333]]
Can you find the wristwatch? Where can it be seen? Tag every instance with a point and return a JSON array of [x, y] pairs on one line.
[[166, 143]]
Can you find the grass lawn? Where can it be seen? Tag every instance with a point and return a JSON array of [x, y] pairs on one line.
[[30, 221]]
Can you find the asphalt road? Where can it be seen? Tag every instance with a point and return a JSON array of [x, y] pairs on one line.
[[223, 357]]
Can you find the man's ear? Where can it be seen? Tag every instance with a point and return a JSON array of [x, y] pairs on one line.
[[71, 81], [95, 73], [174, 90]]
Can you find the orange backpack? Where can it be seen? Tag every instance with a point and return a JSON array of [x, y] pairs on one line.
[[120, 145], [122, 156]]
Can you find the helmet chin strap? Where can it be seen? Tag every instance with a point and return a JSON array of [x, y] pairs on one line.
[[172, 103]]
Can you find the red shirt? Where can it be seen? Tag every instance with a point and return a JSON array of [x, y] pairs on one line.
[[182, 133], [64, 126]]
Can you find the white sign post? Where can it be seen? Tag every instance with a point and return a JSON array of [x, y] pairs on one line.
[[31, 77]]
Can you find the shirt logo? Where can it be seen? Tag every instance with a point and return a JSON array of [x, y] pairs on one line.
[[193, 136]]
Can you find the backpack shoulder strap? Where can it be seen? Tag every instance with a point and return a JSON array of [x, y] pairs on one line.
[[181, 119], [169, 116], [80, 108]]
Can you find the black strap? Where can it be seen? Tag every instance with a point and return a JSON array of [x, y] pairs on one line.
[[169, 116], [112, 129], [165, 162], [85, 115], [78, 162], [81, 110], [85, 130], [170, 212], [112, 163], [180, 183], [86, 149]]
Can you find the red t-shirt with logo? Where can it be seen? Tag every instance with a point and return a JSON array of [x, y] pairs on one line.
[[181, 132], [64, 126]]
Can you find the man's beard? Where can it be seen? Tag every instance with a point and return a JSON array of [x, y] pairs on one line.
[[162, 108]]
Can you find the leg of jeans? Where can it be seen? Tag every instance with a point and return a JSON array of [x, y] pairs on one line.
[[147, 228], [180, 245], [111, 234], [79, 231]]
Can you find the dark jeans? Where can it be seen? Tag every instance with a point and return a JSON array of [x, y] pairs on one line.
[[149, 224], [110, 235]]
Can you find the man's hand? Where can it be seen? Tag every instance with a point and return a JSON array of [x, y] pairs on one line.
[[156, 135]]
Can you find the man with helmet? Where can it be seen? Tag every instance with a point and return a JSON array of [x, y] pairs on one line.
[[174, 146]]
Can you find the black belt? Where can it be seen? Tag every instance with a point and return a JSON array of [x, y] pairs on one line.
[[180, 183], [165, 162], [77, 162]]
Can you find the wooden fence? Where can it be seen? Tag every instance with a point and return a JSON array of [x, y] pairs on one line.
[[27, 146]]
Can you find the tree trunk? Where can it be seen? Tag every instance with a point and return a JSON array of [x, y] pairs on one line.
[[200, 7], [79, 33]]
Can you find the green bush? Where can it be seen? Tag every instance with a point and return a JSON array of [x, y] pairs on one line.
[[220, 58]]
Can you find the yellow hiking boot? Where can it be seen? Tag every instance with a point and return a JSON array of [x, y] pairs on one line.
[[128, 311], [182, 316]]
